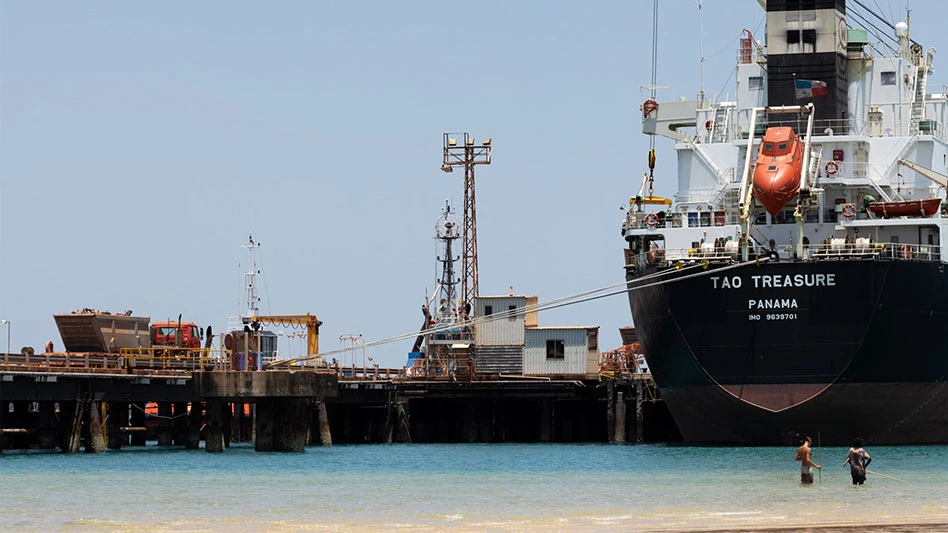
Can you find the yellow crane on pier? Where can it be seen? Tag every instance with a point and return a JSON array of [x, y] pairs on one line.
[[309, 321]]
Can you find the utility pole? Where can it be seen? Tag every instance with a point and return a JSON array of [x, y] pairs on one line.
[[467, 155]]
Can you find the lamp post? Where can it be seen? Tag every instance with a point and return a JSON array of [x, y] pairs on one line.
[[7, 322]]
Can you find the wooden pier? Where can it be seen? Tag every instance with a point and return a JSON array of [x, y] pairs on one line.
[[95, 402]]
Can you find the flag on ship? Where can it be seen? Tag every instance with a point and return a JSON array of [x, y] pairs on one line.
[[809, 88]]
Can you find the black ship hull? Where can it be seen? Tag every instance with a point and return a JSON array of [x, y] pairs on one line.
[[764, 354]]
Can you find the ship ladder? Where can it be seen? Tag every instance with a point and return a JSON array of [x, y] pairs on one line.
[[719, 124], [918, 100]]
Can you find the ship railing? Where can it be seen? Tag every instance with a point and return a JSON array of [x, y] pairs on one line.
[[811, 252], [883, 251], [688, 219], [821, 127]]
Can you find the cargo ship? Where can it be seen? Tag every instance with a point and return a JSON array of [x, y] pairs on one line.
[[796, 284]]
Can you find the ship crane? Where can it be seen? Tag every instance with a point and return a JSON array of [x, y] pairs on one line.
[[937, 177], [807, 177]]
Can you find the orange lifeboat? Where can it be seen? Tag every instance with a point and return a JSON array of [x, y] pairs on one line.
[[778, 170]]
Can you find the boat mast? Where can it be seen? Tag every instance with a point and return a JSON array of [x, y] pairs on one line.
[[250, 278], [446, 231]]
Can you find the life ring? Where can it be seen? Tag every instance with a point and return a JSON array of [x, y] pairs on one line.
[[649, 106], [832, 167], [849, 210], [708, 124], [651, 220], [906, 251]]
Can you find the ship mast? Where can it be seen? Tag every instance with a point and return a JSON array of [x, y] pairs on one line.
[[250, 279], [446, 231]]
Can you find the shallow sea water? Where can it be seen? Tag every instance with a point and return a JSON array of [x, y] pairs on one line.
[[470, 487]]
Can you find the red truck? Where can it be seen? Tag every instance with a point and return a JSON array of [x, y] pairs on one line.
[[177, 334]]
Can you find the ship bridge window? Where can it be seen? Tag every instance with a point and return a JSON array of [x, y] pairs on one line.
[[888, 77]]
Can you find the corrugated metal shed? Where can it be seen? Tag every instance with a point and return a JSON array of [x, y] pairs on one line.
[[503, 330], [562, 351], [499, 360]]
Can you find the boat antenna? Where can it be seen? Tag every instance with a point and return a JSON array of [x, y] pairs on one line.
[[250, 278], [700, 53]]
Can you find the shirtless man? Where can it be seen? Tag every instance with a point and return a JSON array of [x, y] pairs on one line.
[[858, 461], [806, 462]]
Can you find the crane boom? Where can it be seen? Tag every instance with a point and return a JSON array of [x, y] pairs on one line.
[[309, 321], [937, 177]]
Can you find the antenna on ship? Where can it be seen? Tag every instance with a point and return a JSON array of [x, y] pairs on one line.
[[701, 63], [446, 231], [250, 277]]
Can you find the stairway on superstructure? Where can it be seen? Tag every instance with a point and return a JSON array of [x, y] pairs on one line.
[[918, 100]]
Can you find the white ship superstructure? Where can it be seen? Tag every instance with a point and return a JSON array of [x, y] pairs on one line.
[[879, 109]]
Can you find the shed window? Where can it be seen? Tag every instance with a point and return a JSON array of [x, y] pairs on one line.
[[809, 36], [755, 83], [888, 77], [488, 310], [555, 349], [512, 312], [592, 340]]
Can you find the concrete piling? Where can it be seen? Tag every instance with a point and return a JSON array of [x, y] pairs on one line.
[[289, 425], [138, 421], [263, 429], [116, 419], [325, 435], [214, 430], [96, 442], [165, 428], [620, 418], [179, 425], [195, 420]]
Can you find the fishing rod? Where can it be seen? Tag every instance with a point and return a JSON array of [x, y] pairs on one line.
[[885, 476], [819, 447]]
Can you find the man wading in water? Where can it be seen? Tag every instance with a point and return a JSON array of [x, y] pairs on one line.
[[858, 460], [806, 463]]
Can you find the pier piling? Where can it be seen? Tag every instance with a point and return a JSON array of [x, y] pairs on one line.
[[620, 418], [325, 435], [214, 430]]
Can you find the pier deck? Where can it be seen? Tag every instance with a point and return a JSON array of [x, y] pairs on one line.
[[100, 401]]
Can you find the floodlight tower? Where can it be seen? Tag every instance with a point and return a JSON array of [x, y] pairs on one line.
[[467, 155]]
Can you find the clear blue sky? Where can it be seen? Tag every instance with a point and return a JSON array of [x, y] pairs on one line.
[[141, 142]]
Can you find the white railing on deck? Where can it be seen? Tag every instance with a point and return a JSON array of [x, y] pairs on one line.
[[785, 252]]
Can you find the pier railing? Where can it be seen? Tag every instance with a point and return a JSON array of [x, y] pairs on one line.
[[181, 359]]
